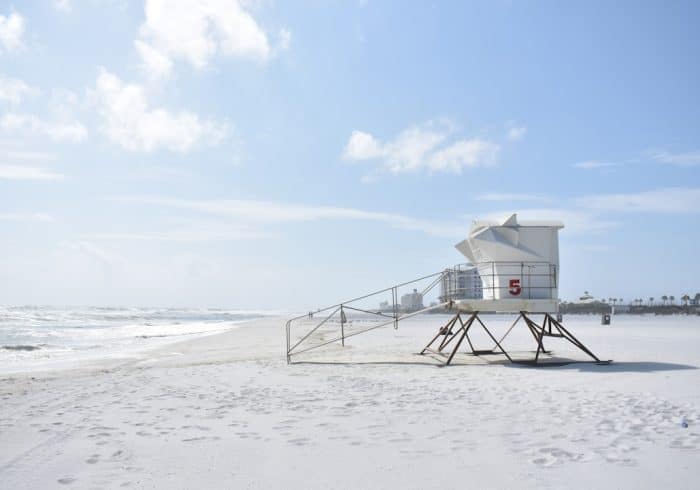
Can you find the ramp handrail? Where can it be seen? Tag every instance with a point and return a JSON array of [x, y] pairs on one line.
[[526, 278], [394, 318]]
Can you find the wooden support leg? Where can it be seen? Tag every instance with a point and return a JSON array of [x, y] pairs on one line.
[[509, 330], [538, 333], [459, 342], [446, 328], [449, 334], [540, 347], [568, 336], [494, 339], [456, 334]]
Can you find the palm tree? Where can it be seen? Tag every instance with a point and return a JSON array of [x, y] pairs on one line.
[[664, 298], [697, 299], [685, 298], [672, 299], [651, 301]]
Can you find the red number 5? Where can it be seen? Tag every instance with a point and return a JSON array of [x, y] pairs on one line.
[[514, 286]]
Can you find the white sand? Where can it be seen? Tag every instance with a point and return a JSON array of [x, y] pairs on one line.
[[226, 411]]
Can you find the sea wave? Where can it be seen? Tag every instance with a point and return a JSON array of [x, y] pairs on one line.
[[37, 333], [27, 348]]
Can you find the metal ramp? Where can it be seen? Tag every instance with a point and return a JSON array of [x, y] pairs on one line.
[[386, 307]]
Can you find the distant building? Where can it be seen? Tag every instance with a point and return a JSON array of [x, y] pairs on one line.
[[462, 282], [412, 301], [622, 308], [586, 298]]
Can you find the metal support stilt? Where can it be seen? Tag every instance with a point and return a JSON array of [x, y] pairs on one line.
[[494, 339], [549, 328], [446, 330], [459, 342], [568, 336], [343, 319]]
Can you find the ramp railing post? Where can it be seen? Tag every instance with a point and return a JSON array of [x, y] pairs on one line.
[[288, 333], [342, 326]]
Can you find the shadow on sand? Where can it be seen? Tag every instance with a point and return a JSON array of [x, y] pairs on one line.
[[365, 363], [618, 367], [560, 363]]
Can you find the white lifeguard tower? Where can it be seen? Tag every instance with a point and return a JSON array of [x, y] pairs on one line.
[[518, 264]]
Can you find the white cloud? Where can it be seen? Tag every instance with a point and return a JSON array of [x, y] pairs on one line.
[[128, 120], [60, 131], [26, 155], [285, 39], [509, 197], [592, 247], [575, 220], [26, 217], [683, 159], [21, 172], [464, 153], [87, 248], [258, 213], [197, 31], [516, 133], [670, 200], [13, 90], [63, 5], [593, 164], [11, 30], [157, 64], [592, 213], [687, 159], [362, 146], [189, 234], [421, 148]]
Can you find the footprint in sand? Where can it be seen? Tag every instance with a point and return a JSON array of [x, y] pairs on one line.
[[301, 441], [66, 481], [617, 453], [550, 456], [194, 439], [686, 442]]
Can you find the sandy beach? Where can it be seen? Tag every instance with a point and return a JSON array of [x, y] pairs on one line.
[[226, 411]]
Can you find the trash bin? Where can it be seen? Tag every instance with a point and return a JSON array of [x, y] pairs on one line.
[[605, 320]]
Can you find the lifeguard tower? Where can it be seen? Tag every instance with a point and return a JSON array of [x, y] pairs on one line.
[[517, 263]]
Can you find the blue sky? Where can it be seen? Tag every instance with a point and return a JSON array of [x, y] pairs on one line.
[[290, 154]]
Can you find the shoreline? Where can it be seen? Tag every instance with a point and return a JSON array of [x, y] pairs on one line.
[[85, 360]]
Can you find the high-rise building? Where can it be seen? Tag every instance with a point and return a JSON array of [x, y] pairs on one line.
[[412, 301], [461, 282]]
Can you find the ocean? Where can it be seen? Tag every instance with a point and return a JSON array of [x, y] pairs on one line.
[[33, 337]]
